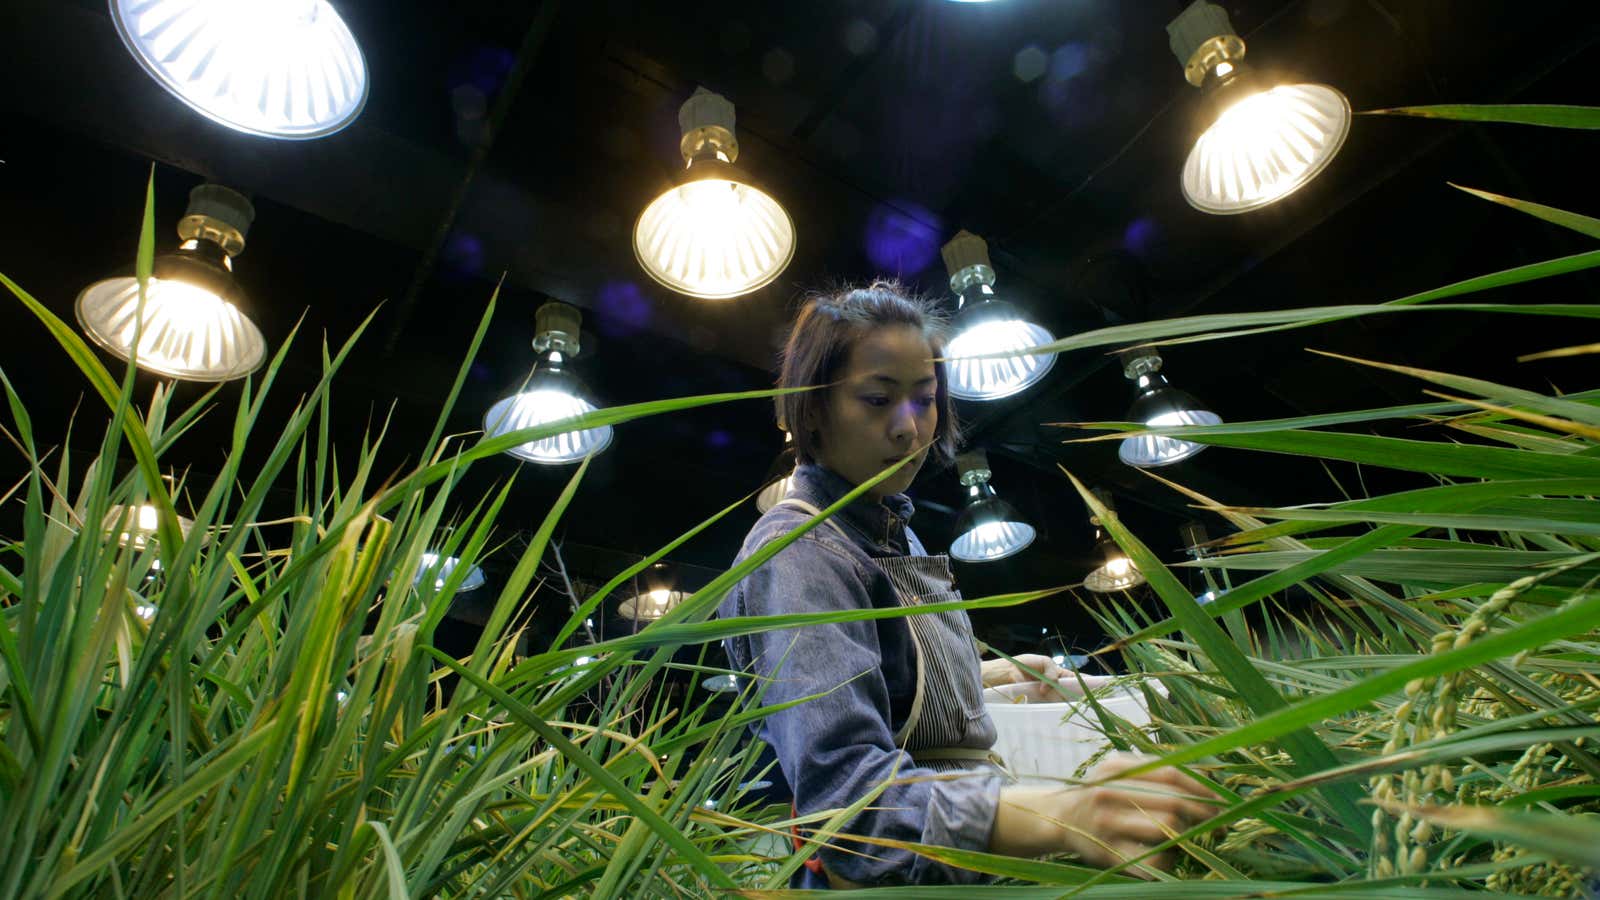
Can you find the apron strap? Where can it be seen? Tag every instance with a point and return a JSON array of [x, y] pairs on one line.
[[810, 510]]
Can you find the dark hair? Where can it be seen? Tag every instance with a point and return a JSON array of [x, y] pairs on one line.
[[827, 328]]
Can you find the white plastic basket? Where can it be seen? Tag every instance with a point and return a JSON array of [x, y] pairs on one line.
[[1051, 740]]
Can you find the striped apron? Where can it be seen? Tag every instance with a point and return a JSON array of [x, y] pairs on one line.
[[948, 699]]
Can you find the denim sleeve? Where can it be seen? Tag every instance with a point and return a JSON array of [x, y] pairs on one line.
[[837, 747]]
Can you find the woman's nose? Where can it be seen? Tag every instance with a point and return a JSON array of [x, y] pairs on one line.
[[904, 422]]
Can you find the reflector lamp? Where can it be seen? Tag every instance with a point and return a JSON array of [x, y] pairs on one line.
[[1261, 142], [714, 234], [988, 528], [780, 476], [984, 323], [135, 526], [551, 393], [274, 68], [192, 328], [442, 568], [1159, 404], [659, 595], [1116, 571]]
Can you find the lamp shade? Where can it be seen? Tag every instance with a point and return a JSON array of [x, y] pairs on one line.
[[549, 396], [136, 526], [189, 332], [1158, 404], [443, 568], [988, 528], [1264, 147], [714, 237], [986, 324], [274, 68], [647, 606], [994, 326], [1261, 143], [780, 476], [1116, 573], [714, 234], [192, 328]]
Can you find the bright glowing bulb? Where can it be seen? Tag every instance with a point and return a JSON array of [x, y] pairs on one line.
[[1117, 574], [1147, 450], [991, 379], [188, 332], [1224, 68], [992, 540], [541, 407], [1264, 147], [274, 68], [444, 569], [660, 597], [145, 611], [713, 238], [134, 526]]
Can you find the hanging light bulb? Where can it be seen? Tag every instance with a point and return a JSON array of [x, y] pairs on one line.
[[550, 394], [780, 476], [658, 596], [274, 68], [1261, 143], [988, 528], [136, 526], [442, 569], [1117, 572], [1194, 543], [713, 235], [1159, 405], [987, 324], [721, 684], [192, 328]]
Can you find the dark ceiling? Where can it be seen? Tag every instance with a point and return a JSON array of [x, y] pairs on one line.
[[523, 138]]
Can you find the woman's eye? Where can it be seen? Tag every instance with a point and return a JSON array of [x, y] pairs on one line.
[[925, 402], [875, 401]]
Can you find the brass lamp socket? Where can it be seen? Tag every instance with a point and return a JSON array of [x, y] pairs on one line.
[[973, 467], [966, 258], [1203, 40], [219, 215], [558, 325], [706, 121]]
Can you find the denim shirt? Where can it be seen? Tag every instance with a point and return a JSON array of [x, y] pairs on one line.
[[835, 748]]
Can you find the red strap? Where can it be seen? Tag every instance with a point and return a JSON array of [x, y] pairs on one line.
[[814, 864]]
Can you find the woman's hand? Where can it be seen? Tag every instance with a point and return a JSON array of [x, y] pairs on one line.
[[1103, 825], [1003, 671]]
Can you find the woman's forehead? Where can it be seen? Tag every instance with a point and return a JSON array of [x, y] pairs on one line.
[[900, 352]]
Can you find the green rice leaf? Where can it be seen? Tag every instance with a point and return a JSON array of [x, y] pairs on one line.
[[1552, 116]]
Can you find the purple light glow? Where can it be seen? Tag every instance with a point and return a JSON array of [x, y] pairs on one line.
[[623, 309], [464, 252], [902, 241], [1140, 234]]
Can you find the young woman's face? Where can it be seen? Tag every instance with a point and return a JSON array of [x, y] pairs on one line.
[[883, 408]]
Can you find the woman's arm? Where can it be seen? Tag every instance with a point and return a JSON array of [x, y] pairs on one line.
[[1003, 671], [1102, 825]]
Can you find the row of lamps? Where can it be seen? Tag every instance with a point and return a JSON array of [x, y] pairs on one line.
[[291, 69]]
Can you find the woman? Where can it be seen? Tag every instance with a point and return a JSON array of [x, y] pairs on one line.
[[901, 697]]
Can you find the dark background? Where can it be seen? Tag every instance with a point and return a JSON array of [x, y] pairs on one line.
[[1056, 130]]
